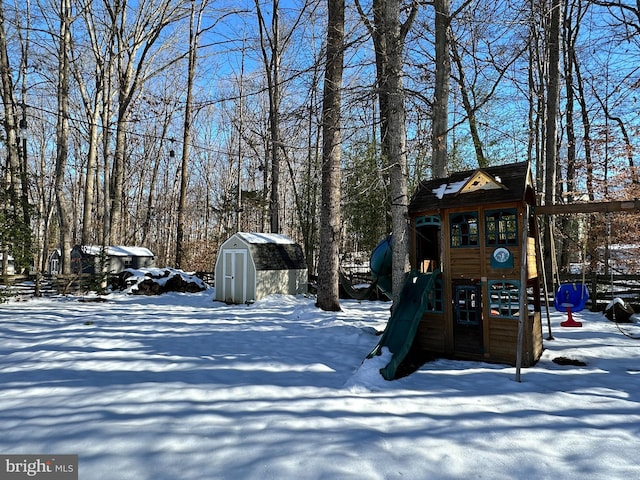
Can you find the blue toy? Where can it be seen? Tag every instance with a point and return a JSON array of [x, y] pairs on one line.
[[571, 297]]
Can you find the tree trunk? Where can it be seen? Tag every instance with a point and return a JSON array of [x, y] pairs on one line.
[[24, 163], [396, 140], [13, 210], [186, 138], [9, 118], [440, 122], [553, 101], [388, 37], [568, 224], [116, 192], [271, 61], [62, 135], [551, 124], [328, 263], [88, 233]]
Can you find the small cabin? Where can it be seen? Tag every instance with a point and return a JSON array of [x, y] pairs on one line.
[[251, 266], [470, 227], [10, 265], [53, 262], [113, 259]]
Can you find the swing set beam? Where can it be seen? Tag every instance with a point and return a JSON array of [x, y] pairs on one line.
[[591, 207]]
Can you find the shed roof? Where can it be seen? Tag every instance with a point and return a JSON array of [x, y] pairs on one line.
[[271, 251], [117, 251], [497, 184], [251, 237]]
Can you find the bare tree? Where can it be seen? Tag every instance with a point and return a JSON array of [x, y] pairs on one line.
[[330, 224], [482, 61], [62, 133], [134, 43], [14, 201], [389, 34], [270, 44], [10, 113], [92, 100], [273, 42], [553, 100], [551, 121], [194, 34]]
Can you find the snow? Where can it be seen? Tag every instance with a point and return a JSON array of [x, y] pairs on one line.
[[161, 276], [265, 238], [178, 386], [449, 188], [117, 251]]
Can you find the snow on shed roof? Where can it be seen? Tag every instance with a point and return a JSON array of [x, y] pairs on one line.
[[117, 251], [265, 238], [273, 251]]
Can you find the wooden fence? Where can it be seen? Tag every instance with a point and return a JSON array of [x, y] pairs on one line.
[[603, 288]]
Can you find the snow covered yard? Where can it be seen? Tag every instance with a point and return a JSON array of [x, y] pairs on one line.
[[181, 387]]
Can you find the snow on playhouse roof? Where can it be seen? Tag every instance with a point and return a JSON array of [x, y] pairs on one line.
[[495, 184]]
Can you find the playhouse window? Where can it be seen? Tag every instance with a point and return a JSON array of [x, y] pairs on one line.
[[505, 298], [434, 300], [428, 220], [467, 305], [501, 227], [464, 229], [427, 230]]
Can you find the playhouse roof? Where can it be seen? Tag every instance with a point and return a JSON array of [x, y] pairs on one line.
[[497, 184], [271, 251], [116, 251]]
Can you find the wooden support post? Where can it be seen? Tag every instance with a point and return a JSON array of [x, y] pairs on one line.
[[524, 311]]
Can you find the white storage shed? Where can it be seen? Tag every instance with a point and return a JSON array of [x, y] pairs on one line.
[[251, 266]]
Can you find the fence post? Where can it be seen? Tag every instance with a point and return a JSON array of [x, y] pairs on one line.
[[594, 292]]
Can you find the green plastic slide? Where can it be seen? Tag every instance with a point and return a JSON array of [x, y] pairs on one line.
[[406, 315]]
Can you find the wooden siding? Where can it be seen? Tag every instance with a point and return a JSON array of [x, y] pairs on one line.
[[465, 262], [473, 263], [431, 334], [532, 262], [503, 336]]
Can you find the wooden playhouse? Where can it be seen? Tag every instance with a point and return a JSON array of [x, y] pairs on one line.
[[474, 227]]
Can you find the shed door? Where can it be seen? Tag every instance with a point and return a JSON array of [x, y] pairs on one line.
[[234, 266], [467, 322]]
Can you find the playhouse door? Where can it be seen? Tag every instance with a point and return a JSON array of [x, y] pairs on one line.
[[467, 322], [234, 265]]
